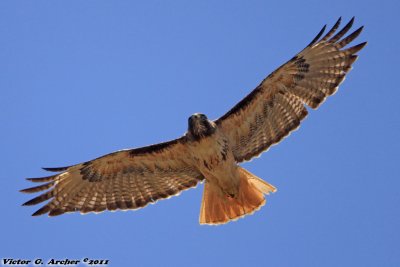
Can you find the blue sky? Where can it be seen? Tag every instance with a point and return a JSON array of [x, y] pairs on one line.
[[79, 79]]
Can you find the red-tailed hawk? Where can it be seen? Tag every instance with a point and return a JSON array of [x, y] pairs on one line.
[[210, 150]]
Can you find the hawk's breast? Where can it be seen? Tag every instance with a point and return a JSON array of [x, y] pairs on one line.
[[214, 159]]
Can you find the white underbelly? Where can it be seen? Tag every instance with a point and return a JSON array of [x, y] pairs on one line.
[[216, 162]]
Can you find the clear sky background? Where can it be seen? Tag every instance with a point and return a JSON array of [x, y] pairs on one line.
[[79, 79]]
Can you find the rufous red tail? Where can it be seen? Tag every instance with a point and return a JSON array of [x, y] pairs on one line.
[[218, 208]]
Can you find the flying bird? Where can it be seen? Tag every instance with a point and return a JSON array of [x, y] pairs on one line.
[[209, 151]]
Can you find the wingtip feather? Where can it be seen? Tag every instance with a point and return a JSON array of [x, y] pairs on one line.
[[350, 38], [354, 49], [37, 188], [43, 179], [41, 211], [56, 169], [316, 38], [343, 31], [332, 30]]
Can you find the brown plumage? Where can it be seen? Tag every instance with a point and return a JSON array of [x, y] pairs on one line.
[[210, 150]]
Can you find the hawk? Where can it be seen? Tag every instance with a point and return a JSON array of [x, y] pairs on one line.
[[209, 151]]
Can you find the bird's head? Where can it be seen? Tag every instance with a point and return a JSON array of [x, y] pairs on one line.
[[200, 126]]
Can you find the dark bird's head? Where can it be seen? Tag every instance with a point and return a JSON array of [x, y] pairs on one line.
[[200, 126]]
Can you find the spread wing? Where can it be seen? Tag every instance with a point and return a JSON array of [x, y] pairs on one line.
[[276, 107], [126, 179]]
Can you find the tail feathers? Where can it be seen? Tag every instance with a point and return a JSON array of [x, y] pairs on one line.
[[217, 208], [261, 185]]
